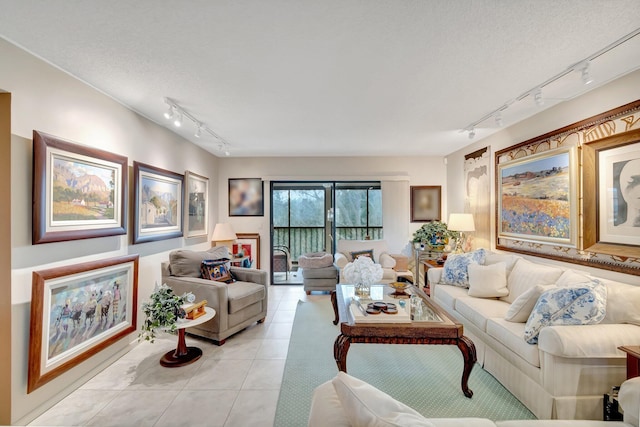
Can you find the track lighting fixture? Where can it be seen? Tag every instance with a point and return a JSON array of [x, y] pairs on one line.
[[178, 113], [472, 133], [585, 73], [498, 119], [537, 97]]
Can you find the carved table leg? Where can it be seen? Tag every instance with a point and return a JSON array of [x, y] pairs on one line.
[[334, 303], [340, 349], [468, 350]]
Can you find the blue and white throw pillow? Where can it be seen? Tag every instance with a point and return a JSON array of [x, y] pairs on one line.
[[455, 270], [580, 304]]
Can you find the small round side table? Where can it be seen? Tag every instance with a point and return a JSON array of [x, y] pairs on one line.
[[184, 355]]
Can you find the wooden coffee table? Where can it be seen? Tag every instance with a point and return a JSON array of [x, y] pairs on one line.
[[441, 330]]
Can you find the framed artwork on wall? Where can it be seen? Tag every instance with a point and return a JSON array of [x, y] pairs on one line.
[[79, 192], [249, 245], [612, 212], [158, 203], [246, 197], [538, 198], [426, 201], [77, 311], [196, 204]]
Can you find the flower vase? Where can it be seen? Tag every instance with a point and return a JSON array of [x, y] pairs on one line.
[[363, 290]]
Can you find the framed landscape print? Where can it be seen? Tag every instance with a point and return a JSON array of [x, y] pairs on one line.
[[249, 243], [196, 203], [426, 203], [537, 198], [158, 203], [246, 197], [79, 192], [77, 311]]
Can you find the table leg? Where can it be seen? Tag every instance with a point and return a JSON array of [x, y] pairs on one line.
[[468, 350], [340, 350], [334, 303], [182, 355]]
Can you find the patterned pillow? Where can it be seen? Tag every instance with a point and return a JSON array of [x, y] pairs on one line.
[[367, 253], [217, 270], [581, 304], [455, 271]]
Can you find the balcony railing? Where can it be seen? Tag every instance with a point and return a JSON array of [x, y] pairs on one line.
[[302, 240]]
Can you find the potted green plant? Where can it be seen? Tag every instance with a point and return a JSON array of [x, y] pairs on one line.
[[434, 234], [162, 311]]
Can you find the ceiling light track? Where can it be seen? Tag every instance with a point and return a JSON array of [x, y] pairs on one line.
[[583, 67], [177, 113]]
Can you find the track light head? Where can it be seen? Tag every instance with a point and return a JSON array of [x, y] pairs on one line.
[[537, 97], [472, 133], [198, 133], [498, 118], [227, 153], [169, 113], [585, 73], [178, 121]]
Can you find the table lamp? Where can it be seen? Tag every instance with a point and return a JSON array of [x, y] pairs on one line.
[[460, 222], [223, 235]]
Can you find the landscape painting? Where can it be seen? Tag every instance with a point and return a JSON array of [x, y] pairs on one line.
[[79, 192], [158, 203], [537, 198]]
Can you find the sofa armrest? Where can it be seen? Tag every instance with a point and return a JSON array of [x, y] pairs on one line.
[[434, 274], [386, 260], [251, 275], [629, 398], [587, 341], [340, 259]]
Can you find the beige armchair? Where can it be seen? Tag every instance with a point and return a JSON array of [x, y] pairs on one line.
[[346, 248]]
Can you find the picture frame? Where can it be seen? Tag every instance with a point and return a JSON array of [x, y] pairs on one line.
[[607, 228], [158, 200], [79, 192], [426, 203], [196, 204], [70, 321], [246, 197], [538, 198], [250, 244]]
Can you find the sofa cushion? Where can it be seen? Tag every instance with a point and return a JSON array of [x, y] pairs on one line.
[[479, 310], [579, 305], [521, 308], [184, 262], [488, 281], [326, 409], [365, 405], [446, 295], [508, 259], [526, 274], [243, 294], [587, 341], [623, 301], [456, 267], [571, 277], [510, 335]]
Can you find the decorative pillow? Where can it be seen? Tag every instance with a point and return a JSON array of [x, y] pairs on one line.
[[508, 259], [571, 277], [455, 271], [367, 253], [365, 405], [623, 301], [526, 275], [522, 307], [488, 281], [579, 305], [217, 270]]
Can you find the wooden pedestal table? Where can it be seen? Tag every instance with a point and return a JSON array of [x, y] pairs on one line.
[[434, 327], [184, 355]]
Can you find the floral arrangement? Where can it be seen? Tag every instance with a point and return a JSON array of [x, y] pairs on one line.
[[363, 271], [163, 311]]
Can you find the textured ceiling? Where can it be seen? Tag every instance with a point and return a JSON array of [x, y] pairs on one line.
[[329, 77]]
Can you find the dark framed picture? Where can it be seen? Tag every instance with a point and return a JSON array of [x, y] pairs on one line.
[[246, 197], [612, 212], [248, 245], [79, 192], [426, 202], [538, 198], [196, 205], [77, 311], [158, 203]]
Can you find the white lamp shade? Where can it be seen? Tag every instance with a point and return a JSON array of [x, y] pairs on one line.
[[461, 222], [223, 232]]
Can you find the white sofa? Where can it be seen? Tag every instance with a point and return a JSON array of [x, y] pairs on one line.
[[348, 401], [381, 256], [566, 373]]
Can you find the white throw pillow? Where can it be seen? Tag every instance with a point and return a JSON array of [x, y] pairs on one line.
[[623, 301], [522, 307], [365, 405], [508, 259], [488, 281], [572, 277], [526, 274]]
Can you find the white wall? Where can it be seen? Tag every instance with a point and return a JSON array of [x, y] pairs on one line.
[[615, 94], [48, 100]]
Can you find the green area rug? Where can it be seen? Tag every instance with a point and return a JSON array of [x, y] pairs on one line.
[[425, 377]]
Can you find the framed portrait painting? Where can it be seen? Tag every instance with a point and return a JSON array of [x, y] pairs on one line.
[[158, 198], [248, 245], [77, 311], [196, 203], [426, 203], [537, 198], [246, 197], [79, 192]]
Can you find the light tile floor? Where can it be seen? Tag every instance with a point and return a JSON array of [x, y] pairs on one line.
[[236, 384]]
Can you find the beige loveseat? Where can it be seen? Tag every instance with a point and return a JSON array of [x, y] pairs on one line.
[[347, 401], [237, 304], [345, 248], [567, 372]]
